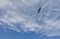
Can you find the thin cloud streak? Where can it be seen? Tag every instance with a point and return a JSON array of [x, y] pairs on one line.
[[17, 19]]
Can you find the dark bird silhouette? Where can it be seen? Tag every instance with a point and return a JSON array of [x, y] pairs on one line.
[[39, 9]]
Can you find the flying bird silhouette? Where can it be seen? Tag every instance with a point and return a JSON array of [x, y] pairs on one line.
[[39, 9]]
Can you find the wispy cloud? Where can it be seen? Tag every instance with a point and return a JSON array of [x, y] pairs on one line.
[[17, 17]]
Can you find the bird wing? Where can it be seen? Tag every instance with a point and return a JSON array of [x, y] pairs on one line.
[[39, 9]]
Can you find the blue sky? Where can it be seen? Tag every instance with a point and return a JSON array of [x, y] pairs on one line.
[[23, 35], [19, 19]]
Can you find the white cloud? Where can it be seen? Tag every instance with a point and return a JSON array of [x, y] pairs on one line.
[[3, 3], [16, 11], [30, 2]]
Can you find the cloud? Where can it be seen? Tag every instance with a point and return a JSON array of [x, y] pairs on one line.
[[30, 2], [20, 15], [3, 3]]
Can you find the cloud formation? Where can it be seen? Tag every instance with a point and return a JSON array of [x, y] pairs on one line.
[[21, 15]]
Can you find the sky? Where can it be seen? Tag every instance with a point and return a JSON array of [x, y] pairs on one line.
[[19, 19]]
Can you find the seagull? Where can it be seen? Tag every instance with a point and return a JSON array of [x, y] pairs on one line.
[[39, 9]]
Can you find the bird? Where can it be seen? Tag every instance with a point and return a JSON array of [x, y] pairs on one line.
[[39, 10]]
